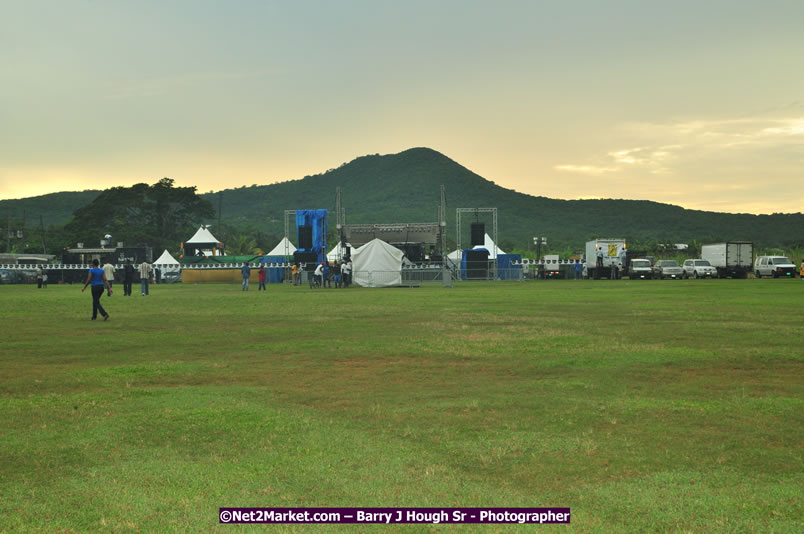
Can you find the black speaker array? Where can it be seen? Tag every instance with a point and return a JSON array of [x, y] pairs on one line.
[[477, 264], [307, 259], [305, 237], [478, 234]]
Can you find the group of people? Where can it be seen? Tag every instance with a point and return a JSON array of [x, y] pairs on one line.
[[325, 274], [246, 272], [618, 270], [146, 272], [100, 278], [41, 278]]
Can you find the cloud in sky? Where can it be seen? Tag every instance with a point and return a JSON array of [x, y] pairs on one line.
[[710, 156], [644, 100]]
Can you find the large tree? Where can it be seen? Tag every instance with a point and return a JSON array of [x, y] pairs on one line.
[[160, 215]]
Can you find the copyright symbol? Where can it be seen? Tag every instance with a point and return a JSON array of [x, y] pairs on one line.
[[226, 516]]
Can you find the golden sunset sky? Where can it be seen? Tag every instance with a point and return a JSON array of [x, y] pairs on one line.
[[694, 103]]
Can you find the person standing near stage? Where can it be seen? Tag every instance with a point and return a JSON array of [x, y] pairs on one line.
[[145, 277], [346, 270], [246, 272], [623, 262], [336, 271], [319, 275], [327, 274], [296, 277], [39, 277], [44, 278], [261, 278], [97, 277], [108, 270], [128, 278], [578, 270]]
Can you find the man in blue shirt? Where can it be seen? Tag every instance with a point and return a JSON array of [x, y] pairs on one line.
[[97, 278], [246, 270]]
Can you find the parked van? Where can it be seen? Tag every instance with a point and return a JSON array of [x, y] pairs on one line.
[[775, 266]]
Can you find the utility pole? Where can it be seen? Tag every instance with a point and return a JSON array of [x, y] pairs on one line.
[[220, 208], [539, 241], [8, 235], [42, 227], [23, 232]]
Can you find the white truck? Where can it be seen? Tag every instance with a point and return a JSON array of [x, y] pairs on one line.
[[733, 258], [611, 250]]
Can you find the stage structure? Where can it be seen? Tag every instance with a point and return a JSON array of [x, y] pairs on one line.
[[477, 233], [416, 240], [311, 236]]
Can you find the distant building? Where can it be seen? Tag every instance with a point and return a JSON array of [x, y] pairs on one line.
[[117, 255]]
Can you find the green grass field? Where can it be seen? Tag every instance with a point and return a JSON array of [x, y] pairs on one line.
[[673, 406]]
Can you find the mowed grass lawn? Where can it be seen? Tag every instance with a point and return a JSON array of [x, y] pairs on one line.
[[642, 406]]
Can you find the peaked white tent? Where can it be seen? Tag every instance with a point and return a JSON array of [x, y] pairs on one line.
[[377, 264], [167, 260], [339, 251], [204, 241], [281, 250], [488, 244]]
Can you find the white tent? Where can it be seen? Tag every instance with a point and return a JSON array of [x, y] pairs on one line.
[[281, 250], [488, 244], [204, 241], [377, 264], [202, 236], [166, 262], [339, 251]]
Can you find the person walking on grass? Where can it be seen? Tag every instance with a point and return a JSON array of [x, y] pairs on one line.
[[145, 277], [97, 278], [128, 278], [108, 270], [246, 272], [261, 278]]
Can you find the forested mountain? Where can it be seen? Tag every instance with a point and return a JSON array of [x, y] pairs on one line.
[[404, 187], [55, 208]]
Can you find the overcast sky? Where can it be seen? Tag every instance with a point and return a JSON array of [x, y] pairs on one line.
[[696, 103]]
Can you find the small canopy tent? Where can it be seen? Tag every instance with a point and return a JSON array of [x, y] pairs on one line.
[[488, 244], [339, 251], [166, 262], [377, 264], [284, 248], [203, 243]]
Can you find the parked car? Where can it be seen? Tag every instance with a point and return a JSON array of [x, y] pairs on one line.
[[698, 269], [171, 277], [667, 269], [775, 266], [640, 268]]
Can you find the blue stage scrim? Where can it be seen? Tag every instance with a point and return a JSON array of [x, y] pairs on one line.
[[317, 219], [275, 275], [506, 270]]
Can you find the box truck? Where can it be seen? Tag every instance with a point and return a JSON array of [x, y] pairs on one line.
[[610, 249], [733, 258]]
